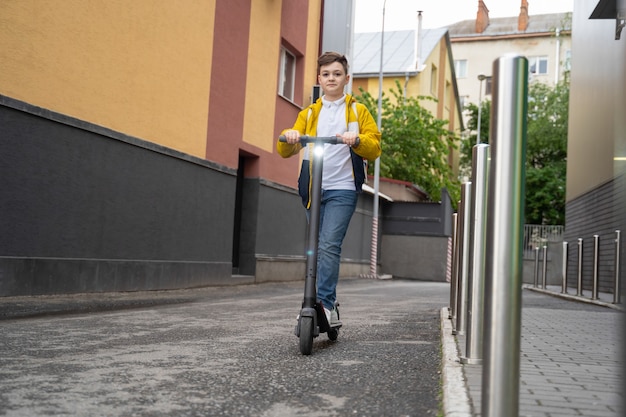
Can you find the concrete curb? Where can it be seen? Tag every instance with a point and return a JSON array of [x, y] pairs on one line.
[[556, 293], [456, 402]]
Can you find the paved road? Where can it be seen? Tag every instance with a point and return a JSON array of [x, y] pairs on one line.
[[226, 351]]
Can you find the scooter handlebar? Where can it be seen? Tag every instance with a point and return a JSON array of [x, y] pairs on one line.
[[305, 139]]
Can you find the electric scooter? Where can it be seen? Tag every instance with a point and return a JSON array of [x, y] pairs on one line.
[[312, 319]]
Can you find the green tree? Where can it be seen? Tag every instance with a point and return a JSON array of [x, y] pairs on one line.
[[415, 144], [469, 141], [546, 155], [546, 150]]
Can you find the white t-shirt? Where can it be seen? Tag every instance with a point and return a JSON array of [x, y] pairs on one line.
[[338, 173]]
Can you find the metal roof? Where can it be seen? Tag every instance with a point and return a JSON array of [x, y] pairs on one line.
[[398, 51]]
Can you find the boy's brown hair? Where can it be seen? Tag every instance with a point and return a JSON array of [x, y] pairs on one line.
[[329, 57]]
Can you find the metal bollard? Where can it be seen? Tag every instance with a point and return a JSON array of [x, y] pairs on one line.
[[617, 288], [503, 271], [536, 279], [565, 256], [579, 287], [477, 253], [596, 266], [453, 277], [464, 229], [544, 269]]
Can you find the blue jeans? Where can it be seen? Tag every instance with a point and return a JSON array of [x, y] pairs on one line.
[[335, 214]]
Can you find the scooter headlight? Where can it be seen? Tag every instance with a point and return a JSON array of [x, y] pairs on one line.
[[319, 150]]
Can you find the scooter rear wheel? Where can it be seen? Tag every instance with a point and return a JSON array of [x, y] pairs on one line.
[[306, 335], [333, 334]]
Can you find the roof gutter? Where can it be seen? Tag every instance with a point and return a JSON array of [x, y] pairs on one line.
[[472, 38], [387, 74]]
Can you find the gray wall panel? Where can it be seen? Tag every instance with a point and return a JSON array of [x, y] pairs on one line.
[[76, 202]]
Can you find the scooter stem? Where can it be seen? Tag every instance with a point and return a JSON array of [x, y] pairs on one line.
[[310, 291]]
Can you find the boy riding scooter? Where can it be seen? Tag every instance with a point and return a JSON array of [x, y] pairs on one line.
[[335, 114]]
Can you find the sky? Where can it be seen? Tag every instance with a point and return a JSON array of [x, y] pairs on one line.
[[402, 14]]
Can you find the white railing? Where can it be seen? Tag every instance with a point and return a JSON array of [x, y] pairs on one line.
[[538, 236]]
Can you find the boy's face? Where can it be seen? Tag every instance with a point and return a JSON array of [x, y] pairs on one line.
[[333, 79]]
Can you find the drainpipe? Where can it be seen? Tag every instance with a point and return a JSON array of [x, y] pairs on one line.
[[406, 84], [558, 56], [418, 41], [417, 48]]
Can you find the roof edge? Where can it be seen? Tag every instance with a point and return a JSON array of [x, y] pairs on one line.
[[478, 37]]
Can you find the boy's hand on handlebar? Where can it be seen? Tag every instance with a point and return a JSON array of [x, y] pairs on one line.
[[349, 138], [292, 136]]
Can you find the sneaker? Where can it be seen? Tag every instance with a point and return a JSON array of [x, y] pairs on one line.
[[334, 318], [328, 315]]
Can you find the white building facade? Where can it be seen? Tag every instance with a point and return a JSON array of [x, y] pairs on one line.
[[544, 39]]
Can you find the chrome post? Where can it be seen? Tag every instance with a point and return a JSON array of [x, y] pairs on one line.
[[596, 266], [453, 277], [565, 256], [464, 230], [544, 270], [617, 288], [476, 285], [579, 287], [503, 271], [536, 279]]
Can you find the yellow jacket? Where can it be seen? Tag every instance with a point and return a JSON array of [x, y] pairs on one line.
[[368, 148]]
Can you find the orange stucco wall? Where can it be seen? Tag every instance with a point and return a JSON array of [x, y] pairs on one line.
[[138, 67]]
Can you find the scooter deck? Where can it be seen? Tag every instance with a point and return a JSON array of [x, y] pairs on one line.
[[322, 322]]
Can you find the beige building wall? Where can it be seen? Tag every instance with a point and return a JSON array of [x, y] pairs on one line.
[[481, 54], [434, 80]]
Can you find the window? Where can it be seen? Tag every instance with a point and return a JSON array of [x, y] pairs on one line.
[[464, 101], [286, 81], [538, 65], [460, 68], [487, 91], [433, 81]]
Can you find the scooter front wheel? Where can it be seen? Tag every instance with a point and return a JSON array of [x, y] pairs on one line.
[[306, 335]]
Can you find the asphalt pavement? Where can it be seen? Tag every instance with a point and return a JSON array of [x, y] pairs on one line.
[[223, 351]]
